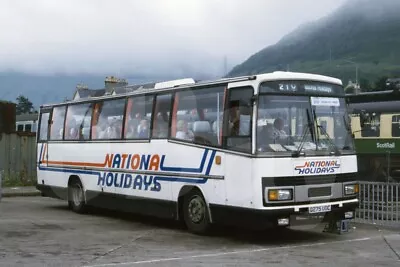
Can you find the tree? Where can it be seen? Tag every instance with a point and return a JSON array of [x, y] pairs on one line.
[[365, 85], [24, 105], [380, 84]]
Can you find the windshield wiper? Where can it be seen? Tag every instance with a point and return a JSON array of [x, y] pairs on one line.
[[298, 152], [333, 145], [308, 128]]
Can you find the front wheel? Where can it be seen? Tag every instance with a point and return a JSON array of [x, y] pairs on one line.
[[76, 199], [195, 213]]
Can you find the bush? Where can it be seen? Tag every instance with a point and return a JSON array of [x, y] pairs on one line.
[[17, 179]]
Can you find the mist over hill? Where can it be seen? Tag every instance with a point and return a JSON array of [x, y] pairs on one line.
[[363, 31], [44, 89]]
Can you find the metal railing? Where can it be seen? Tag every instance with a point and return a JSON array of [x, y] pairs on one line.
[[379, 203]]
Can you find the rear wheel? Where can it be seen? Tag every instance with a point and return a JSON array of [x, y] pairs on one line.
[[195, 213], [76, 199]]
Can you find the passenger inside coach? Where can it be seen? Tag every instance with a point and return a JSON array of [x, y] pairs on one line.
[[133, 125], [162, 125], [279, 133], [144, 129], [183, 132], [234, 123]]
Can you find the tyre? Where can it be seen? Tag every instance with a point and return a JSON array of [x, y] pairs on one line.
[[76, 199], [195, 213]]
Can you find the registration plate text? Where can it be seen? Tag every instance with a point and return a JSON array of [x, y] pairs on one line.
[[318, 209]]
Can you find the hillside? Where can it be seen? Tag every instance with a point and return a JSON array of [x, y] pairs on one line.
[[365, 31]]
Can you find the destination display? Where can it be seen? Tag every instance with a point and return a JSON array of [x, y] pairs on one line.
[[301, 87]]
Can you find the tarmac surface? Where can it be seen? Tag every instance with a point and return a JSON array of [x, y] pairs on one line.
[[37, 231]]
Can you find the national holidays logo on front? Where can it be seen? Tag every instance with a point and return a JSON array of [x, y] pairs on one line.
[[318, 167]]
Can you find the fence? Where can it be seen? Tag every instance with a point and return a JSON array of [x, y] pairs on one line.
[[18, 158], [382, 167], [379, 203]]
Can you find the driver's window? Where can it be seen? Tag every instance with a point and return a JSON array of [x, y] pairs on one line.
[[239, 119]]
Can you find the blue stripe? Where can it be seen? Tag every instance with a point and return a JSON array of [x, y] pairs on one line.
[[159, 178], [180, 179], [41, 151], [210, 163], [181, 169], [89, 172]]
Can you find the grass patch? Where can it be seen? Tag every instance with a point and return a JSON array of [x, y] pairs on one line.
[[17, 179]]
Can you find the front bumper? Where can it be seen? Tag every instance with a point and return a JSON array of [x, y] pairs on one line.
[[268, 216]]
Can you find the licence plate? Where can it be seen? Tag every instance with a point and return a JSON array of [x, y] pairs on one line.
[[318, 209]]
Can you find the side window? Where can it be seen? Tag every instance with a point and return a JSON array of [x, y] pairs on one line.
[[396, 126], [57, 123], [372, 126], [138, 117], [237, 128], [28, 128], [77, 125], [161, 116], [108, 119], [44, 125], [197, 116]]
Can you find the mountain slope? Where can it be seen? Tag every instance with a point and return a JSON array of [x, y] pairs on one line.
[[366, 31]]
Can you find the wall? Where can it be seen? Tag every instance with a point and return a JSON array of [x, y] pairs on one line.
[[7, 117], [18, 158]]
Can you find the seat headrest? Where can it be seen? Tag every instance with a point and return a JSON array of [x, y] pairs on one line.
[[201, 126], [215, 124]]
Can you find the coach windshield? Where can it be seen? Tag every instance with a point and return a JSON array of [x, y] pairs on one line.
[[301, 124]]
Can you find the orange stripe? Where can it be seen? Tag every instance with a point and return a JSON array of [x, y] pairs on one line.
[[128, 111], [223, 116], [44, 152], [174, 115], [71, 163], [95, 119], [302, 166], [79, 164]]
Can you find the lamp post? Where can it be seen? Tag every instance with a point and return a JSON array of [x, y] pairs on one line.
[[355, 63]]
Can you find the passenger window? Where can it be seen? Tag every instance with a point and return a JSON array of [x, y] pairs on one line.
[[197, 116], [57, 123], [239, 119], [372, 126], [77, 126], [108, 119], [161, 116], [396, 126], [138, 117], [44, 124]]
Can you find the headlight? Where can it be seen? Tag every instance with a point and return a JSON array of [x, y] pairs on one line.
[[280, 194], [351, 189]]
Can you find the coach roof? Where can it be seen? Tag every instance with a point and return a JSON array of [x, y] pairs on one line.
[[189, 82]]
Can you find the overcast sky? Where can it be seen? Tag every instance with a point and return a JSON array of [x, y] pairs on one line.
[[143, 37]]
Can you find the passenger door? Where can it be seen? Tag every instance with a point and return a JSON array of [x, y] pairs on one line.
[[43, 136], [238, 123]]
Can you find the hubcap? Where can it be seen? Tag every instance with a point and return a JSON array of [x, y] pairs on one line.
[[77, 195], [196, 209]]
